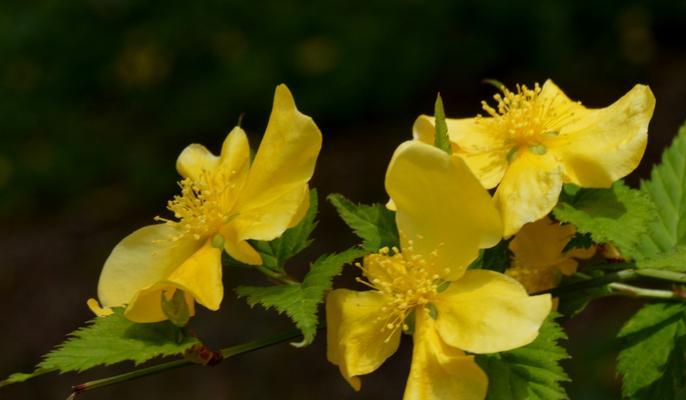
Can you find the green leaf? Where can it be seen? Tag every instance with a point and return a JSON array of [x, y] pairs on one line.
[[531, 372], [579, 241], [110, 340], [672, 260], [300, 301], [23, 377], [441, 139], [618, 215], [176, 309], [374, 224], [496, 258], [276, 252], [667, 189], [652, 358]]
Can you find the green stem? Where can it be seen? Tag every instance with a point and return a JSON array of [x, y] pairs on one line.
[[635, 291], [226, 353], [276, 275], [621, 276], [660, 274]]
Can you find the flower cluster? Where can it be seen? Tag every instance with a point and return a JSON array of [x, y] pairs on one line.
[[224, 202], [528, 144]]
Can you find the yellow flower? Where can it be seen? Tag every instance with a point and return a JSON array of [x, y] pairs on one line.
[[534, 140], [224, 201], [539, 260], [444, 216]]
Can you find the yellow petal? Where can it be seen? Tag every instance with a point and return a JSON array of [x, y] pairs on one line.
[[302, 209], [484, 152], [440, 371], [540, 243], [488, 312], [567, 267], [235, 155], [194, 159], [95, 307], [284, 163], [146, 305], [201, 276], [141, 260], [441, 207], [600, 146], [270, 220], [539, 259], [356, 339], [582, 253], [529, 190], [234, 158], [234, 161], [239, 249]]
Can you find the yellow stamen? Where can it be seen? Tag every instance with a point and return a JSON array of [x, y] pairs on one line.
[[407, 280], [204, 205], [524, 119]]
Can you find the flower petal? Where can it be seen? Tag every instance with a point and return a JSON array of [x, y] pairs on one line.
[[239, 249], [270, 220], [529, 190], [539, 259], [440, 371], [484, 152], [356, 339], [234, 160], [567, 267], [194, 159], [540, 243], [302, 209], [603, 145], [201, 276], [284, 163], [146, 305], [95, 307], [441, 207], [141, 260], [488, 312]]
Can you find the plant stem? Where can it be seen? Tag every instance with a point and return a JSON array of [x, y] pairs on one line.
[[226, 353], [621, 276], [277, 276], [635, 291], [671, 276]]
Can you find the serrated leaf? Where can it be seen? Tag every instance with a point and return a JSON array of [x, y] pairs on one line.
[[300, 301], [652, 360], [374, 224], [531, 372], [496, 258], [618, 215], [672, 260], [579, 241], [23, 377], [275, 253], [667, 189], [110, 340], [441, 139]]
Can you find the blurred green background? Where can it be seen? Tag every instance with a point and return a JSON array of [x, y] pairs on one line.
[[97, 97]]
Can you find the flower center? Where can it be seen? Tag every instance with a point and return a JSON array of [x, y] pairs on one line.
[[204, 204], [524, 119], [407, 280]]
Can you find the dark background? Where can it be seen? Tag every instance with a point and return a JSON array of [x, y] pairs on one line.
[[98, 97]]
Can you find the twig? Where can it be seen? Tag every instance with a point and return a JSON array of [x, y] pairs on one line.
[[226, 353], [635, 291]]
